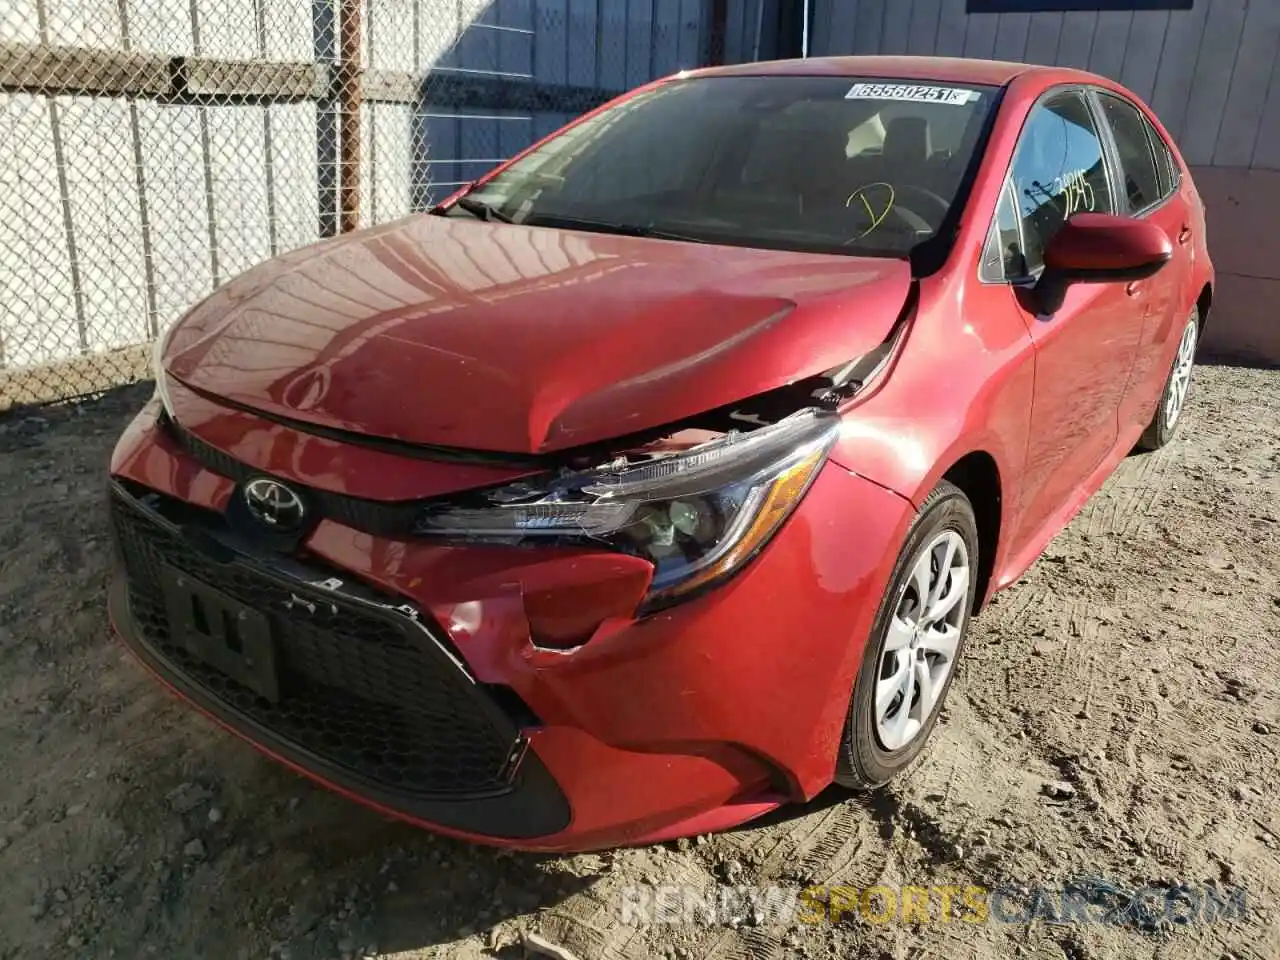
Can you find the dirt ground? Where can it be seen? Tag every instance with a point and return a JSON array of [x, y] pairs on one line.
[[1117, 717]]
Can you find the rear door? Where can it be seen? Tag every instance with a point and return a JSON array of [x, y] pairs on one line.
[[1147, 187], [1085, 350]]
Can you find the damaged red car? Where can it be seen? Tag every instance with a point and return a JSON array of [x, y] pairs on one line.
[[651, 481]]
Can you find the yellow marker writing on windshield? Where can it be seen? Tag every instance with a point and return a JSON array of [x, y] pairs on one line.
[[861, 194]]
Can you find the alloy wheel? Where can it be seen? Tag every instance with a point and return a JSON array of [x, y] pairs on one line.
[[1180, 380], [920, 647]]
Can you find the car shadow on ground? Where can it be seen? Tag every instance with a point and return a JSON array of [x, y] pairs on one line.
[[1211, 357], [450, 893], [882, 806], [322, 876], [455, 889]]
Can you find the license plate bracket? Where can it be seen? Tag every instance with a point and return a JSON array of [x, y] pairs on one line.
[[220, 631]]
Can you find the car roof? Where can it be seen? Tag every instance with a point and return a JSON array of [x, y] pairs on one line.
[[988, 72]]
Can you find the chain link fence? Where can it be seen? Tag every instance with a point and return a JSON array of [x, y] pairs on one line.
[[150, 150]]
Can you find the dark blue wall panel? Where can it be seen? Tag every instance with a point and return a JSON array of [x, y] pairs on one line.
[[520, 69]]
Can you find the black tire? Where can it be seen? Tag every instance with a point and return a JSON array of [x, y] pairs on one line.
[[863, 761], [1160, 430]]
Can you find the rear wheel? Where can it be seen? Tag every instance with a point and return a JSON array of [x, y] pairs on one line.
[[1168, 415], [915, 644]]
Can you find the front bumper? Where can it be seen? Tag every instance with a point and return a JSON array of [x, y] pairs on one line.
[[448, 711], [368, 698]]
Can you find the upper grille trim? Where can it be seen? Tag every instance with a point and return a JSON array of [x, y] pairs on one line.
[[379, 518]]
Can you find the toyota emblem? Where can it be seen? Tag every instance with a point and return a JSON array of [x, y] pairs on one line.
[[273, 504]]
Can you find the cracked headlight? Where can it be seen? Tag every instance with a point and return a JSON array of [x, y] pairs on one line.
[[698, 515]]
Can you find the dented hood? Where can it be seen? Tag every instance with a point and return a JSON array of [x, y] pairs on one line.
[[517, 339]]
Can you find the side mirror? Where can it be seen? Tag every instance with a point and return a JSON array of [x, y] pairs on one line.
[[1100, 248]]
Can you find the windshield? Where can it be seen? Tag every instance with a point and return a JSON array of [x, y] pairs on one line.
[[830, 164]]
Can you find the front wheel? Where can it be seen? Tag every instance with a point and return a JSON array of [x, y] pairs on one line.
[[1174, 398], [916, 642]]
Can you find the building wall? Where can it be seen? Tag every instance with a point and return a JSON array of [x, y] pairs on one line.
[[605, 45], [1212, 73]]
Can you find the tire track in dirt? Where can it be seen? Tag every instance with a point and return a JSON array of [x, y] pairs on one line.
[[1132, 500], [593, 923], [747, 945]]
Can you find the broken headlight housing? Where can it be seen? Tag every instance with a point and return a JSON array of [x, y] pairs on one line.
[[697, 515]]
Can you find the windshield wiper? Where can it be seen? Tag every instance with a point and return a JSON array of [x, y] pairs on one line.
[[478, 208], [607, 226]]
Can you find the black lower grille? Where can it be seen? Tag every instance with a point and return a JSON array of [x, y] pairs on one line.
[[367, 691]]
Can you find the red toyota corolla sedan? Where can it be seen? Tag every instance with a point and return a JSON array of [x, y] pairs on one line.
[[651, 481]]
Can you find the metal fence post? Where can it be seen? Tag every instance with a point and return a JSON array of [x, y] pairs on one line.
[[324, 40], [349, 97]]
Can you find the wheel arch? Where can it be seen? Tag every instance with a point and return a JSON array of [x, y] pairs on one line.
[[1203, 303], [978, 475]]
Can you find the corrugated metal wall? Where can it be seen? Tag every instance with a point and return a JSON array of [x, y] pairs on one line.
[[741, 22], [605, 45], [1209, 72], [752, 28]]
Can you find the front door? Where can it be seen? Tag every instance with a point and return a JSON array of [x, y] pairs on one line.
[[1085, 349]]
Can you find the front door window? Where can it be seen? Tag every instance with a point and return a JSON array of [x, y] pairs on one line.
[[1058, 170]]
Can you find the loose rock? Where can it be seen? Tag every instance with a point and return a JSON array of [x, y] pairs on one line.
[[187, 796], [1058, 789], [540, 946]]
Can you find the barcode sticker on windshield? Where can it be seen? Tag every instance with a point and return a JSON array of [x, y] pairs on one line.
[[953, 96]]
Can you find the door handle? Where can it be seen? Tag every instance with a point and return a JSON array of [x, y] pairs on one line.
[[1184, 235]]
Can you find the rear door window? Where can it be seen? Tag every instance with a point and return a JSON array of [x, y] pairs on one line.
[[1139, 166], [1166, 166]]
